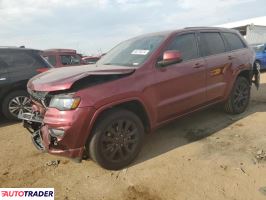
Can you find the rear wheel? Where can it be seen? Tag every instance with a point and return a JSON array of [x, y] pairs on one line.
[[15, 102], [239, 98], [117, 139]]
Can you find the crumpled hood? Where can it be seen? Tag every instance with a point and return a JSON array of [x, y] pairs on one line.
[[63, 78]]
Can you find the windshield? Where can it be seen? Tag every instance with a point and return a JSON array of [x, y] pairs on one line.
[[259, 48], [132, 52]]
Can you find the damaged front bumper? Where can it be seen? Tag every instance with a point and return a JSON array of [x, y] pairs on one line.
[[33, 123], [74, 126]]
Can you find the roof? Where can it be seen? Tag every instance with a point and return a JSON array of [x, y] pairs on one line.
[[169, 32], [259, 21], [17, 48]]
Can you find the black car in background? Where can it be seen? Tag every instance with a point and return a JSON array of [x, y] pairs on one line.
[[17, 66]]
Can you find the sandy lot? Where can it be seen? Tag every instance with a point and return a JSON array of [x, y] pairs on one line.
[[209, 155]]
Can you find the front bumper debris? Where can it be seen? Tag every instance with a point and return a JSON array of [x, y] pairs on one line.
[[33, 123]]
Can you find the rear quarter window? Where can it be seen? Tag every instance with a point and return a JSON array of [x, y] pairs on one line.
[[234, 41], [211, 43]]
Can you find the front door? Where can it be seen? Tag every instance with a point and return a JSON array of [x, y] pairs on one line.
[[180, 87]]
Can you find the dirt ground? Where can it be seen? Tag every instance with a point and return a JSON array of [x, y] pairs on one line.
[[209, 155]]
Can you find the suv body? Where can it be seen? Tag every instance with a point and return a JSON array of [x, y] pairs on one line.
[[17, 66], [138, 86], [62, 57], [260, 50]]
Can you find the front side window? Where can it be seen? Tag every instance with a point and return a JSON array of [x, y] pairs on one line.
[[132, 52], [70, 60], [186, 44], [234, 41], [211, 43]]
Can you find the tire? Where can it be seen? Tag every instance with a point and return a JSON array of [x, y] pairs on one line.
[[117, 139], [239, 98], [15, 99]]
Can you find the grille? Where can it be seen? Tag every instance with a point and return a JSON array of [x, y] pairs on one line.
[[42, 97]]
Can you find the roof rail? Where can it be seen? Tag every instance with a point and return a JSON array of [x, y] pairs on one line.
[[62, 50], [192, 27]]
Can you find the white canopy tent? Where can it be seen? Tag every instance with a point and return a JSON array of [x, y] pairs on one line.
[[253, 29]]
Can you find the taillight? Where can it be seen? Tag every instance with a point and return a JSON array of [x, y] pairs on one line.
[[40, 70]]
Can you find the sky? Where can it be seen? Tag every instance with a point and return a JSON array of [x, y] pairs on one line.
[[95, 26]]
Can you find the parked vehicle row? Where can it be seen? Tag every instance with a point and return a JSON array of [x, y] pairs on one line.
[[103, 111], [67, 57]]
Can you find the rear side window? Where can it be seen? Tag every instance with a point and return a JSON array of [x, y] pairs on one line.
[[70, 60], [23, 60], [3, 66], [186, 44], [234, 41], [211, 43], [17, 60]]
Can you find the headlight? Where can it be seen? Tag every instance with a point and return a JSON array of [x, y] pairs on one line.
[[64, 102]]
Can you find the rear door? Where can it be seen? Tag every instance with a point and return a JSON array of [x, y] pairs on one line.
[[218, 63], [180, 87]]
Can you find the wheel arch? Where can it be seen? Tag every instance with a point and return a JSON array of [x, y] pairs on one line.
[[134, 105], [21, 85]]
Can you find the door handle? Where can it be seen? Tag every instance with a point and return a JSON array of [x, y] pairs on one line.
[[2, 79], [198, 65]]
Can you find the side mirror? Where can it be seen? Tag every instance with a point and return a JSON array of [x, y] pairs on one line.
[[170, 57]]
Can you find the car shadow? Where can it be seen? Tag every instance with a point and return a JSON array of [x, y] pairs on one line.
[[196, 127], [4, 122]]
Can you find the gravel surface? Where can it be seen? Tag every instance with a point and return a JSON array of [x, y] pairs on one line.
[[209, 155]]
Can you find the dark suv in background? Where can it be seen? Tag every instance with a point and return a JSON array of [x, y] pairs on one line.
[[17, 66], [141, 84]]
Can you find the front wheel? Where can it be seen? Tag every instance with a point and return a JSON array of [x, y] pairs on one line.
[[239, 98], [14, 103], [117, 139]]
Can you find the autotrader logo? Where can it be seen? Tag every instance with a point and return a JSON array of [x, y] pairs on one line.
[[27, 193]]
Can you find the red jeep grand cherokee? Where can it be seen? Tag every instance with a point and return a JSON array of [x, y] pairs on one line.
[[104, 111]]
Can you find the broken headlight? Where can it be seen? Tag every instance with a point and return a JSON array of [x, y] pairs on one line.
[[64, 102]]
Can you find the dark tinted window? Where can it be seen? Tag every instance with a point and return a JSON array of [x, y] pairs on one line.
[[51, 59], [211, 43], [234, 41], [3, 66], [23, 60], [186, 44], [70, 60]]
